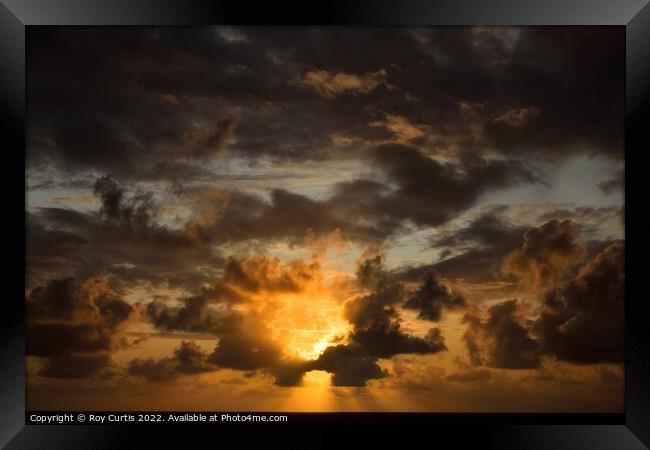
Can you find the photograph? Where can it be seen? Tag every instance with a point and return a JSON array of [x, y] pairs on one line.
[[325, 219]]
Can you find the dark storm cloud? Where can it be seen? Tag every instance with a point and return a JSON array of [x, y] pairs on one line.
[[418, 190], [546, 255], [135, 211], [74, 328], [570, 86], [424, 191], [375, 319], [348, 367], [288, 373], [245, 344], [195, 315], [487, 230], [158, 93], [432, 297], [188, 359], [246, 216], [478, 250], [483, 243], [124, 239], [583, 320], [89, 142], [501, 341], [161, 95], [430, 192], [591, 221], [289, 215]]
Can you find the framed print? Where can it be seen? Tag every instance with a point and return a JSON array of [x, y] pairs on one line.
[[277, 220]]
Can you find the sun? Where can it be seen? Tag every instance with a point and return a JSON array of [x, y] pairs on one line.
[[306, 324]]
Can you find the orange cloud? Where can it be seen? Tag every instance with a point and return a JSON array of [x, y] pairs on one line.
[[546, 256], [332, 84]]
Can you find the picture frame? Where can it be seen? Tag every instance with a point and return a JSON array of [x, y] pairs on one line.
[[629, 430]]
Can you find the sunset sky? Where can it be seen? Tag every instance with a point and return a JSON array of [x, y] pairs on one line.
[[325, 219]]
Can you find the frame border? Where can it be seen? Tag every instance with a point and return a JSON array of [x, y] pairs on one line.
[[506, 431]]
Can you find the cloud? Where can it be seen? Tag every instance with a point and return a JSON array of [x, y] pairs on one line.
[[245, 340], [501, 341], [419, 190], [136, 211], [430, 192], [74, 328], [245, 343], [519, 117], [432, 297], [583, 320], [588, 219], [188, 359], [401, 127], [614, 184], [287, 215], [332, 84], [546, 256], [348, 367], [473, 252], [241, 280], [155, 90], [478, 249], [209, 142], [266, 274], [124, 240], [195, 315]]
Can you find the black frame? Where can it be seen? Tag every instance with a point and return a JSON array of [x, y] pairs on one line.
[[629, 430]]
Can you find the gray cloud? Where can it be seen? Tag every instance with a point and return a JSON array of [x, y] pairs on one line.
[[547, 254], [478, 250], [583, 320], [123, 238], [159, 85], [188, 359], [501, 341], [432, 297], [74, 328]]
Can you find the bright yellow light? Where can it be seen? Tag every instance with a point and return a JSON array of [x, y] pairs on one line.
[[317, 378], [319, 346], [307, 323]]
